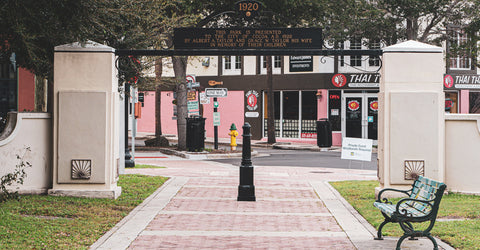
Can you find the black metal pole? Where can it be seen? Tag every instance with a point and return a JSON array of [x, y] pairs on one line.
[[246, 189], [215, 128], [129, 162]]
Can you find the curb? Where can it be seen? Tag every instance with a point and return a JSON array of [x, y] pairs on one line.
[[193, 155]]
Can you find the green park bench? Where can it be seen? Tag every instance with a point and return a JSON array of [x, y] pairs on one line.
[[421, 205]]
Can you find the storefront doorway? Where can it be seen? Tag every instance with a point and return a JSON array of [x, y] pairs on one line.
[[360, 115]]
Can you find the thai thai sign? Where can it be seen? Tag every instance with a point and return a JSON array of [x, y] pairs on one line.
[[358, 80], [453, 81], [247, 38]]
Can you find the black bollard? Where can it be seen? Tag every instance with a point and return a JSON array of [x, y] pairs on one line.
[[246, 189]]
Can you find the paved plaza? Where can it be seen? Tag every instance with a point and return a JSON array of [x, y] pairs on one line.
[[197, 208]]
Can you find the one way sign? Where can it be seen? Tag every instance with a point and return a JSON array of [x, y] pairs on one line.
[[216, 92]]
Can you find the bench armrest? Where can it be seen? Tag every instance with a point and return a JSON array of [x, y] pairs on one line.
[[385, 200], [404, 212]]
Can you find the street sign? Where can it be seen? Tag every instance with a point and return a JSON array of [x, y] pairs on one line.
[[191, 78], [192, 106], [215, 104], [191, 95], [204, 99], [216, 119], [216, 92], [193, 85]]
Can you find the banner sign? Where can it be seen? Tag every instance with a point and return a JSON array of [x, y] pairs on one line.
[[247, 38], [359, 80], [356, 149], [452, 81], [301, 63]]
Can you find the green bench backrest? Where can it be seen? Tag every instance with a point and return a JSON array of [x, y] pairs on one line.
[[425, 189]]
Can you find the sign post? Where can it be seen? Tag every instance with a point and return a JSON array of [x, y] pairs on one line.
[[215, 92]]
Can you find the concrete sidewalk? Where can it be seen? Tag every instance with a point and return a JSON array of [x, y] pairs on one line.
[[296, 208]]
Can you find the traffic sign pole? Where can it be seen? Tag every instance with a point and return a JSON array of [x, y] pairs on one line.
[[215, 128]]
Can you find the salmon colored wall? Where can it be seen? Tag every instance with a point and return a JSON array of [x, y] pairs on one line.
[[231, 110], [26, 90], [147, 122], [464, 101], [322, 105]]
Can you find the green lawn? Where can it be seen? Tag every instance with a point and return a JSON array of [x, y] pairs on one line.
[[48, 222], [460, 234], [146, 166]]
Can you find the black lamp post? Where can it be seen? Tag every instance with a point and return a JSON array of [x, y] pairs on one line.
[[246, 189], [129, 162]]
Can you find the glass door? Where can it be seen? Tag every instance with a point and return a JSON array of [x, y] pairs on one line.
[[353, 115], [360, 115], [372, 116]]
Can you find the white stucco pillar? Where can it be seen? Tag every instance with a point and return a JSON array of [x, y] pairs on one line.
[[411, 133], [85, 121]]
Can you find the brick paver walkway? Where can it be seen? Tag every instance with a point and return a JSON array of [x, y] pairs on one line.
[[198, 209]]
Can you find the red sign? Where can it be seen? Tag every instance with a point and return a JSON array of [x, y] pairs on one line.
[[309, 135], [448, 103], [448, 81], [252, 100], [339, 80], [353, 105], [374, 105]]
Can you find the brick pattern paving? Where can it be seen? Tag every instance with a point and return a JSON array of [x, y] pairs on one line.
[[244, 222], [256, 242], [204, 214]]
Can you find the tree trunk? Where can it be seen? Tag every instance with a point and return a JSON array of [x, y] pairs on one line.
[[158, 97], [270, 103], [412, 28], [180, 69], [40, 94]]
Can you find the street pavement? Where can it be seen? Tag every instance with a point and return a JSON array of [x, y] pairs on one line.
[[197, 208]]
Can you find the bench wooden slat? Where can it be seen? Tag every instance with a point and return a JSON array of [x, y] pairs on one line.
[[421, 205]]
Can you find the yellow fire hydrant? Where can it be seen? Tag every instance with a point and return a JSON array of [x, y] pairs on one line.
[[233, 137]]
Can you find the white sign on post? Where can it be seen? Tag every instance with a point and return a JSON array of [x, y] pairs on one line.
[[216, 92], [357, 149], [216, 119], [204, 99]]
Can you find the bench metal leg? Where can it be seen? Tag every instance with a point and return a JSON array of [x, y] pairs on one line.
[[399, 242], [435, 245], [379, 232]]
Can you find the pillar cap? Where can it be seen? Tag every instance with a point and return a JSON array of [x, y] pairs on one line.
[[412, 46], [88, 46]]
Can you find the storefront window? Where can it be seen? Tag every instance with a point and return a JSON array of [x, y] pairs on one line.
[[309, 114], [290, 114], [294, 117], [334, 109], [451, 102], [474, 103]]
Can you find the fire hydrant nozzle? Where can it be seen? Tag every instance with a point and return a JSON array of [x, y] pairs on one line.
[[233, 137]]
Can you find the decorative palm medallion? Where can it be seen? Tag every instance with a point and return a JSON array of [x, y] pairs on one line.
[[81, 169], [414, 168]]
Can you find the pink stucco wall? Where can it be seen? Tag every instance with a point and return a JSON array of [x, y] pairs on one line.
[[322, 105], [464, 101], [147, 122], [231, 110]]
